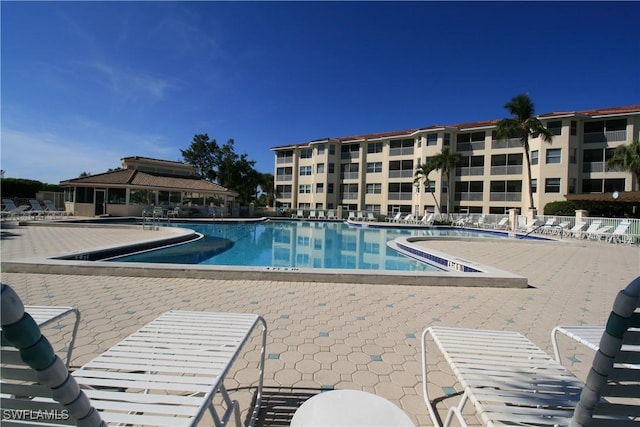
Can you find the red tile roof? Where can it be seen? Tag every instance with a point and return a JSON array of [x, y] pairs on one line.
[[471, 125]]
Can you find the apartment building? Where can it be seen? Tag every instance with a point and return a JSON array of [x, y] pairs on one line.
[[375, 172]]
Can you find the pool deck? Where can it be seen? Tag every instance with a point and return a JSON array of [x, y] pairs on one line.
[[336, 335]]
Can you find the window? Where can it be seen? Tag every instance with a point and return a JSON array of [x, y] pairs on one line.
[[573, 156], [572, 185], [374, 167], [432, 139], [446, 139], [349, 171], [555, 127], [331, 167], [304, 189], [84, 195], [534, 185], [330, 188], [320, 168], [552, 185], [534, 157], [574, 127], [307, 153], [164, 197], [374, 147], [332, 149], [553, 155], [320, 149], [305, 170], [116, 196], [374, 188], [320, 187]]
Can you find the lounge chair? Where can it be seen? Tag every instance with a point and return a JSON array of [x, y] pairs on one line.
[[394, 218], [407, 219], [529, 227], [503, 224], [321, 215], [599, 234], [559, 229], [52, 210], [169, 371], [11, 211], [427, 219], [352, 216], [591, 229], [575, 230], [511, 381], [298, 214], [370, 216], [360, 216], [173, 213], [312, 215], [620, 235], [331, 214], [546, 227], [36, 209]]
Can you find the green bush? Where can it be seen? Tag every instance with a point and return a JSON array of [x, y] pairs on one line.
[[564, 207]]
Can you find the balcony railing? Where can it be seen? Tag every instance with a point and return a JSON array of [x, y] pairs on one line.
[[349, 196], [506, 143], [400, 196], [284, 177], [284, 195], [469, 196], [470, 171], [588, 167], [506, 170], [505, 197], [401, 151], [470, 146], [349, 155], [349, 175], [281, 160], [610, 136], [401, 173]]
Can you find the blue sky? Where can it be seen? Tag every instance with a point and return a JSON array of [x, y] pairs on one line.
[[87, 83]]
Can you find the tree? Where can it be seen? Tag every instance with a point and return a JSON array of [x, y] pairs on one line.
[[446, 162], [267, 188], [523, 125], [220, 164], [626, 157], [422, 173]]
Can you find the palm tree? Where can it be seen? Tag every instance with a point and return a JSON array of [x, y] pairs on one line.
[[523, 125], [265, 181], [422, 173], [628, 158], [446, 162]]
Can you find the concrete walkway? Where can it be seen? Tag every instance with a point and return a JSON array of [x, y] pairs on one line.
[[343, 336]]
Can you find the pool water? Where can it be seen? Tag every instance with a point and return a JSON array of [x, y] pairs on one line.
[[297, 244]]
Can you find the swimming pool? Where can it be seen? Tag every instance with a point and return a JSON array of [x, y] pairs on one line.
[[300, 244]]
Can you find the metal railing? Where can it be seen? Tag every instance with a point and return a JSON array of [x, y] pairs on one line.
[[610, 136], [470, 171], [506, 170]]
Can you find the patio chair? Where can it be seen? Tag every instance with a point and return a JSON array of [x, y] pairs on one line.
[[510, 381], [52, 210], [360, 216], [312, 215], [11, 211], [173, 213], [582, 234], [36, 209], [546, 227], [169, 371], [559, 229], [620, 235], [394, 218], [331, 214], [599, 234], [427, 219], [321, 215], [298, 214], [575, 230], [371, 216], [529, 227], [352, 216], [407, 219], [503, 224]]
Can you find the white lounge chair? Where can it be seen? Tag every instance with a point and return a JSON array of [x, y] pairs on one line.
[[312, 215], [36, 210], [576, 230], [52, 210], [599, 234], [559, 229], [298, 214], [503, 224], [321, 215], [591, 229], [427, 219], [546, 227], [360, 216], [352, 216], [620, 235], [407, 219], [510, 381], [169, 372], [331, 214], [370, 216], [394, 218]]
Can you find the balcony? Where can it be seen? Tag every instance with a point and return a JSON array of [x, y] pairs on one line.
[[505, 197], [400, 196], [349, 175], [610, 136], [506, 170], [401, 173], [286, 195], [281, 160], [506, 143], [588, 167], [281, 178], [401, 151], [470, 146], [470, 171], [349, 196], [469, 196], [349, 155]]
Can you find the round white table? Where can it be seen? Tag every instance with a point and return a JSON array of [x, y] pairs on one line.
[[349, 408]]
